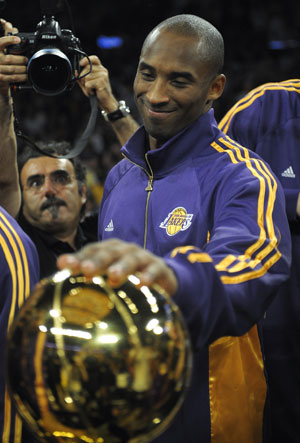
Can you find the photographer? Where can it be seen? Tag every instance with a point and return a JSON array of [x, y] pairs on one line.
[[13, 71], [51, 215], [57, 227], [54, 61]]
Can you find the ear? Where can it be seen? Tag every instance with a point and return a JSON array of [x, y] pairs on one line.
[[216, 87], [83, 194]]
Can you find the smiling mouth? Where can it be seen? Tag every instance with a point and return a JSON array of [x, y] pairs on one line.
[[159, 114]]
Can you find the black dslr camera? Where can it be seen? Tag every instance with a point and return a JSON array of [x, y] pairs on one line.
[[53, 54]]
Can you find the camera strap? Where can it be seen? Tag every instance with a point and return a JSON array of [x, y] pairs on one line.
[[81, 141], [84, 138]]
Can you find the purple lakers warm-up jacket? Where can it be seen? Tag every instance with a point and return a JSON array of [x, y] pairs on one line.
[[216, 213], [19, 272], [267, 120]]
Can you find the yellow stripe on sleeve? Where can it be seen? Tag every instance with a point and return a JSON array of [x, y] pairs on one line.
[[182, 250], [247, 101], [193, 257], [23, 254], [272, 185], [266, 180], [7, 401], [16, 258]]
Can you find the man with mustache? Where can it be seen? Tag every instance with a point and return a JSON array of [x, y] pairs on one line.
[[53, 201], [52, 212], [53, 190]]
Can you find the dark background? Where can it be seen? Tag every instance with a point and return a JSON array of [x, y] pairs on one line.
[[249, 28]]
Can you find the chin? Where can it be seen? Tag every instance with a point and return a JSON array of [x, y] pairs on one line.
[[52, 225], [159, 135]]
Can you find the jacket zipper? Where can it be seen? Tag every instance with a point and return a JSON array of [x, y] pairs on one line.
[[148, 189]]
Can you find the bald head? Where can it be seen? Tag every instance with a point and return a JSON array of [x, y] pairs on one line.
[[210, 41]]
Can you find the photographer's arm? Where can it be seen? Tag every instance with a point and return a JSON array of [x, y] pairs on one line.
[[10, 194], [98, 81], [12, 69]]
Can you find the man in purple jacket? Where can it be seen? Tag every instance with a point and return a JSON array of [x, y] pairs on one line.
[[267, 120], [203, 217], [19, 272]]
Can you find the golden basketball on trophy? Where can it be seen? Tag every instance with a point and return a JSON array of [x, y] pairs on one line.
[[90, 363]]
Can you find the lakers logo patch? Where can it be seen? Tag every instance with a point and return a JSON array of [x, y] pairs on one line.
[[176, 221]]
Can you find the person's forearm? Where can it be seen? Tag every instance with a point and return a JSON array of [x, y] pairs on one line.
[[10, 196], [97, 81], [124, 128]]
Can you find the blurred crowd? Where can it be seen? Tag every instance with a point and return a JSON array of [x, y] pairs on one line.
[[262, 40]]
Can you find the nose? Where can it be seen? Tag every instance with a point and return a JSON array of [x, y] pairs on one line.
[[157, 92], [49, 187]]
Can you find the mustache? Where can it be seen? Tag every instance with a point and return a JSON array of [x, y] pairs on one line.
[[52, 201]]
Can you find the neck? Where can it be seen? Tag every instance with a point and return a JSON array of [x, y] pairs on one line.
[[67, 238], [155, 143]]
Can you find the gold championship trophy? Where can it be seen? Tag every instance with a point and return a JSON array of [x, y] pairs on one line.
[[89, 363]]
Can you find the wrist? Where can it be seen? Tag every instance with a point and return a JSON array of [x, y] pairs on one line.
[[109, 106], [119, 111]]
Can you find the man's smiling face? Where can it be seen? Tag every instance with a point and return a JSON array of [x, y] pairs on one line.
[[171, 86]]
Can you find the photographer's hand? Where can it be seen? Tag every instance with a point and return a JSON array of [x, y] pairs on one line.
[[8, 27], [12, 67], [98, 82], [12, 70]]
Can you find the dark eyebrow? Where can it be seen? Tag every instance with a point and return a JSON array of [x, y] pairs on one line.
[[175, 74], [183, 74], [59, 171], [53, 173], [144, 65], [34, 177]]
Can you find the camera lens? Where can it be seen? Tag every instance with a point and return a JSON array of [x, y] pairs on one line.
[[49, 71]]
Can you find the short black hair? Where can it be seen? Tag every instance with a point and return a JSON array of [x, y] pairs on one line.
[[189, 25]]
